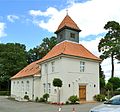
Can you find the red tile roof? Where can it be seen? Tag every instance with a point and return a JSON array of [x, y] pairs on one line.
[[68, 22], [66, 48], [29, 70], [70, 48]]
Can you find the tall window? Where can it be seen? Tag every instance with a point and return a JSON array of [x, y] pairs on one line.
[[49, 87], [82, 66], [17, 86], [46, 68], [53, 66], [22, 84], [27, 85], [72, 35], [44, 87], [14, 86]]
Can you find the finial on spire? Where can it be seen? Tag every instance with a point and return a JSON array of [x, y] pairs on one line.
[[66, 11]]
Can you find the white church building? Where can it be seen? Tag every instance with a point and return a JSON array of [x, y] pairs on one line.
[[69, 61]]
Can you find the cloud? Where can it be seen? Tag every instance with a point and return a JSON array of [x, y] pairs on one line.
[[106, 67], [2, 28], [49, 12], [90, 16], [12, 18], [92, 45]]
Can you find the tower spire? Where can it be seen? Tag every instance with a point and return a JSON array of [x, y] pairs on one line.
[[66, 11]]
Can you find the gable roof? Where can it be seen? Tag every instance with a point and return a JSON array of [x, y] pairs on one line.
[[70, 48], [66, 48], [29, 70], [67, 22]]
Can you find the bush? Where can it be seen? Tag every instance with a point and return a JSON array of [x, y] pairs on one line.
[[4, 93], [36, 99], [99, 97], [116, 92], [67, 102], [26, 97], [73, 99], [42, 100], [46, 96]]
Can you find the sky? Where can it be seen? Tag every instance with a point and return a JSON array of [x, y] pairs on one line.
[[29, 21]]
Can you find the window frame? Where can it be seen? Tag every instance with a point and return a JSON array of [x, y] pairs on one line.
[[82, 66], [72, 35]]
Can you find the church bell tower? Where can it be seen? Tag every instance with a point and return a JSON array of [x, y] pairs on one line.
[[68, 30]]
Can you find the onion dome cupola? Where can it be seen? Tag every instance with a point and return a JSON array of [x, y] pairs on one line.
[[68, 30]]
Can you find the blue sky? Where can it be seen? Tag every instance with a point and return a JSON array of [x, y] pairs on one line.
[[29, 21], [21, 29]]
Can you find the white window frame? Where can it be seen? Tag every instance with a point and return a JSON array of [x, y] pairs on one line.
[[82, 66]]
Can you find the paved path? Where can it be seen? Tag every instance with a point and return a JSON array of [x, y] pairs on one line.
[[14, 106]]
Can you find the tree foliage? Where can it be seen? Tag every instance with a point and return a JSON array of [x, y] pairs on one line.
[[110, 44], [115, 81], [12, 60], [46, 96], [57, 82], [101, 77], [41, 50]]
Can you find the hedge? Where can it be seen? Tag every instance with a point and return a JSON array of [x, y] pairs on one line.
[[4, 93]]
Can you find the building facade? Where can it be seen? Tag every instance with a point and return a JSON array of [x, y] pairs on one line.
[[69, 61]]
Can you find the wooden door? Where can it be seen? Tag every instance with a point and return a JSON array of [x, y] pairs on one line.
[[82, 92]]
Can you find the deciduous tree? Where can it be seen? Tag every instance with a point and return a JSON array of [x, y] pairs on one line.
[[12, 60]]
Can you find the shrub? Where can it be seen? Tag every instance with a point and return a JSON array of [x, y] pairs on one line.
[[116, 92], [11, 98], [67, 102], [36, 99], [99, 97], [46, 96], [73, 99], [26, 97], [42, 100], [4, 93]]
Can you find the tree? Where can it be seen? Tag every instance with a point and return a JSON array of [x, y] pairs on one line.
[[46, 96], [33, 55], [12, 60], [109, 88], [41, 50], [57, 83], [102, 79], [110, 44], [115, 81]]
